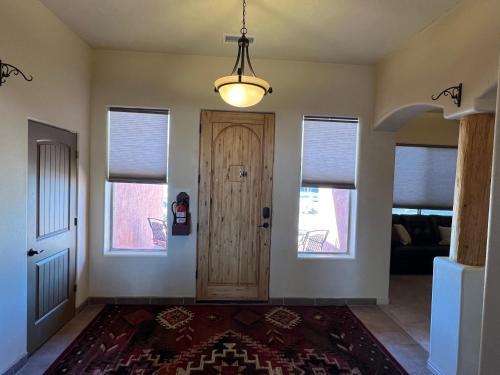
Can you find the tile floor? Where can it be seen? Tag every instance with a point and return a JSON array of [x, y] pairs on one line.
[[48, 353], [410, 305], [398, 342], [402, 327]]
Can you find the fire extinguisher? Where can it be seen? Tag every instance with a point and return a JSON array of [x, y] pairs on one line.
[[181, 225], [179, 211]]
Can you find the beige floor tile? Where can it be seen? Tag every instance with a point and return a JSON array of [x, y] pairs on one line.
[[408, 352], [48, 353], [410, 305]]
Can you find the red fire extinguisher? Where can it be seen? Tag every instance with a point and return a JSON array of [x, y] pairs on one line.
[[180, 213], [182, 218]]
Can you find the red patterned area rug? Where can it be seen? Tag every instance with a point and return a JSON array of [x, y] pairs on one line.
[[226, 339]]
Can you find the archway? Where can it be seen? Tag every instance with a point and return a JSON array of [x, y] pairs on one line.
[[425, 151], [396, 119]]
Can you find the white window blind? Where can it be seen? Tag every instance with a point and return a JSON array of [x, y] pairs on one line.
[[329, 152], [424, 177], [138, 145]]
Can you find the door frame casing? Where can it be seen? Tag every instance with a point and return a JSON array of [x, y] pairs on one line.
[[207, 117]]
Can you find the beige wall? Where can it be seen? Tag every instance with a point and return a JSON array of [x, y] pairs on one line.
[[463, 46], [429, 128], [33, 39], [183, 84], [490, 340]]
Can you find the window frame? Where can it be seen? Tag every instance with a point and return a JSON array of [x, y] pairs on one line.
[[108, 189], [350, 253]]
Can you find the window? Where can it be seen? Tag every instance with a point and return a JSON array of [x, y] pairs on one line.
[[418, 211], [324, 220], [437, 212], [328, 182], [405, 211], [424, 177], [139, 216], [137, 172]]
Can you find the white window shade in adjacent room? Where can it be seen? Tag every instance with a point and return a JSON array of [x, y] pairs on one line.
[[424, 176], [138, 145], [329, 152]]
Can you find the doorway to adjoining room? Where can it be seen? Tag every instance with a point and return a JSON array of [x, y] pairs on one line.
[[424, 182]]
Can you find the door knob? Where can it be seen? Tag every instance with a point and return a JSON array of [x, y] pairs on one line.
[[265, 225], [32, 252]]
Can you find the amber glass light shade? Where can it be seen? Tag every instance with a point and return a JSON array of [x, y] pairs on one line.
[[241, 91]]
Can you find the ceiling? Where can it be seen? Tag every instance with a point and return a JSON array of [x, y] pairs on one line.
[[341, 31]]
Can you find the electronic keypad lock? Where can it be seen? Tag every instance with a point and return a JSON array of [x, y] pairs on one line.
[[266, 212]]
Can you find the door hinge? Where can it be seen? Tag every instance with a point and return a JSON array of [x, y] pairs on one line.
[[196, 273], [77, 154], [75, 287], [75, 221], [199, 178], [197, 227], [200, 127]]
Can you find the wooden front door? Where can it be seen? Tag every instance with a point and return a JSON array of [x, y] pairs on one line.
[[236, 176], [51, 231]]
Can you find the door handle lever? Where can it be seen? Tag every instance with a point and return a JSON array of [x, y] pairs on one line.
[[32, 252], [265, 225]]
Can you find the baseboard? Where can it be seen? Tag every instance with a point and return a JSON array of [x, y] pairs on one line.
[[432, 368], [17, 365], [82, 306], [141, 300], [290, 301]]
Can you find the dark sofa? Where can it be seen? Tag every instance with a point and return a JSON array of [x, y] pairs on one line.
[[417, 258]]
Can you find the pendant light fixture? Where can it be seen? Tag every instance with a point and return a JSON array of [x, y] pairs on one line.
[[238, 89]]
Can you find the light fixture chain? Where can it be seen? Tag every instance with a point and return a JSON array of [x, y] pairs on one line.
[[244, 28], [238, 89]]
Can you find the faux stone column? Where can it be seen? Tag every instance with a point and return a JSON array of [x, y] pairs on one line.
[[458, 281]]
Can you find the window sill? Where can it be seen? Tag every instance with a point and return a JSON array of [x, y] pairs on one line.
[[325, 256], [136, 252]]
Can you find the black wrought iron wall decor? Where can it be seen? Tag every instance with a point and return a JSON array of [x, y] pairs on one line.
[[455, 92], [7, 70]]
